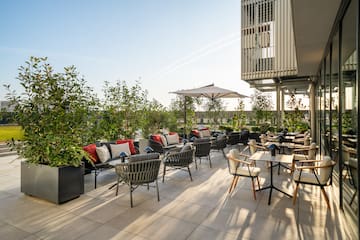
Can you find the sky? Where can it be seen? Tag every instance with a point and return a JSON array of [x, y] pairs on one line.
[[166, 45]]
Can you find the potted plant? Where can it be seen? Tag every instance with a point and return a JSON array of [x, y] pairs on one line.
[[53, 112]]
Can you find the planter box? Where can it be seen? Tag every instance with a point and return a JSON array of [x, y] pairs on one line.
[[54, 184]]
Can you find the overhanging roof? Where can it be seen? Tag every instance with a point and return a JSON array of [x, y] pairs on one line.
[[313, 22]]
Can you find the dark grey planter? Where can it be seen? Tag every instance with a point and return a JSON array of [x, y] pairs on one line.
[[54, 184]]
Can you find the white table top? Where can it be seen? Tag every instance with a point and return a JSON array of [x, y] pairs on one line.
[[266, 156], [283, 144]]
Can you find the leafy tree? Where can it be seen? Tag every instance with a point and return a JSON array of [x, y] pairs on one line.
[[214, 107], [177, 106], [122, 110], [262, 105], [53, 112]]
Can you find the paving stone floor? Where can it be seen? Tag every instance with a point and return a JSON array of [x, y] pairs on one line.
[[201, 209]]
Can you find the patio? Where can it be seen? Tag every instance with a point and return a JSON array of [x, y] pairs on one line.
[[200, 209]]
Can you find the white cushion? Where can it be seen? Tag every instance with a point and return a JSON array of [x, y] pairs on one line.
[[164, 141], [103, 153], [309, 176], [172, 139], [205, 133], [116, 149], [244, 171]]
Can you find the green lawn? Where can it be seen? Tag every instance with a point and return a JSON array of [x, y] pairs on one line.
[[8, 132]]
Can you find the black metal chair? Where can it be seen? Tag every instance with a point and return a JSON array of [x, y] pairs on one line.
[[202, 149], [179, 160], [136, 173], [219, 144], [233, 138]]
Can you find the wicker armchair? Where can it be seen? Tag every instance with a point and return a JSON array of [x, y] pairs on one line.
[[179, 160], [137, 173], [202, 149], [219, 144]]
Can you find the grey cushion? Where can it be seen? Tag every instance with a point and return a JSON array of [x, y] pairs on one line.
[[142, 157], [185, 148]]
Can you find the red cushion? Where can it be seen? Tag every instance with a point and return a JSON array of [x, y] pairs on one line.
[[195, 132], [157, 138], [131, 144], [91, 149]]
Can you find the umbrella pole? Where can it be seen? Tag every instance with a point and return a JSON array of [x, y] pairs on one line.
[[184, 130]]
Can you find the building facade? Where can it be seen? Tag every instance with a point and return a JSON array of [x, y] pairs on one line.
[[324, 40]]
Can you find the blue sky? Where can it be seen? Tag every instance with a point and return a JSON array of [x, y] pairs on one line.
[[168, 45]]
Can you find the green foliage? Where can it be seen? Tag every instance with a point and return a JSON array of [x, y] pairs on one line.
[[262, 106], [122, 110], [177, 107], [53, 112], [214, 107], [156, 118]]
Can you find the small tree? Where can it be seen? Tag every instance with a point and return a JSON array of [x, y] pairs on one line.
[[262, 106], [214, 107], [53, 112]]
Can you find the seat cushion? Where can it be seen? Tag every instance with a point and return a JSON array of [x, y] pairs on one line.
[[143, 157], [244, 171]]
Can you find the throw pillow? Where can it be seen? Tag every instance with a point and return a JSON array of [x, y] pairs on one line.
[[103, 153], [116, 149], [163, 140], [205, 133], [91, 149], [172, 139], [131, 144]]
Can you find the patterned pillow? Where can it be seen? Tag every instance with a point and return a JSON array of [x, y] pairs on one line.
[[103, 153]]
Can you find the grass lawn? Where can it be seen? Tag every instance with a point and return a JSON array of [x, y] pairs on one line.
[[8, 132]]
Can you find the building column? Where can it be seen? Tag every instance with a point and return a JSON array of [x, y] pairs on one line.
[[282, 107], [312, 111], [278, 115]]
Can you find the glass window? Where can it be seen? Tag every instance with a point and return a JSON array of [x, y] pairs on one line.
[[349, 104]]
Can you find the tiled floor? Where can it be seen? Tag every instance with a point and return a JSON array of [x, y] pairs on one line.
[[201, 209]]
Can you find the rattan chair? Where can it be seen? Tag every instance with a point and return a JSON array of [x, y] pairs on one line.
[[202, 149], [219, 144], [317, 175], [179, 160], [240, 167], [137, 173]]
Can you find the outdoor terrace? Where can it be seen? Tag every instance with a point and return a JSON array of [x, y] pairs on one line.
[[201, 209]]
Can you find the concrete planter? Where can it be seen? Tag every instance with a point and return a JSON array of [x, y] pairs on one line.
[[54, 184]]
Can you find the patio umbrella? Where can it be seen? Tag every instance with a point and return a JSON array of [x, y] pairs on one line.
[[209, 91]]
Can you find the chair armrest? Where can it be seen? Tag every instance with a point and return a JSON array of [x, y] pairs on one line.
[[309, 161], [239, 160]]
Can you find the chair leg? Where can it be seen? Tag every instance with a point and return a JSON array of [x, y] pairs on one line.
[[196, 164], [353, 197], [236, 181], [95, 181], [257, 178], [223, 153], [164, 173], [253, 188], [117, 185], [209, 161], [157, 190], [326, 197], [232, 185], [189, 172], [131, 199], [295, 193]]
